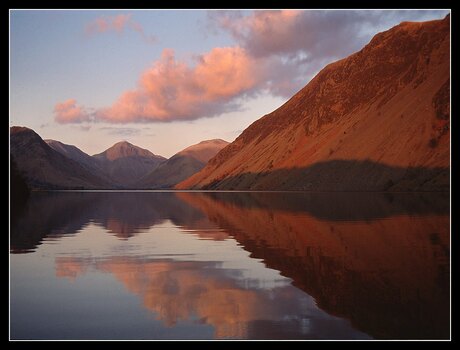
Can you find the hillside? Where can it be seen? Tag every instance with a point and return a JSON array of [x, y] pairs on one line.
[[376, 120], [182, 165], [77, 155], [44, 168]]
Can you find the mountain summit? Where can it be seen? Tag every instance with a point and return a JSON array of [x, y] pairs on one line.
[[376, 120], [124, 149], [126, 163]]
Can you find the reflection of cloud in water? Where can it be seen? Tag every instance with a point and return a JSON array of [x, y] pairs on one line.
[[205, 293]]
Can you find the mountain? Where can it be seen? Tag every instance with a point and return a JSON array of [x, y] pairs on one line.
[[126, 164], [76, 154], [182, 165], [19, 191], [44, 168], [376, 120]]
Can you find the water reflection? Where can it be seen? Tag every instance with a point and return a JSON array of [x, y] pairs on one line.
[[380, 261], [124, 214], [182, 290], [389, 276]]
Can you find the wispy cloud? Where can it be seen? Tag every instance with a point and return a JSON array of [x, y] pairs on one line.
[[85, 127], [117, 24], [121, 131]]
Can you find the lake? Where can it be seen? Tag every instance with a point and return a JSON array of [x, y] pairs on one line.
[[230, 265]]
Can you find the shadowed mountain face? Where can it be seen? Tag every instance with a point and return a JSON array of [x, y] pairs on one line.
[[379, 260], [182, 165], [45, 168], [126, 163], [385, 107], [74, 153], [340, 175], [19, 192]]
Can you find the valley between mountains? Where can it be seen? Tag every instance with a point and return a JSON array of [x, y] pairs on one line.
[[50, 164]]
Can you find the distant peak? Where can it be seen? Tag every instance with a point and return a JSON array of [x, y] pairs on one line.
[[204, 150], [124, 149], [123, 143], [215, 141], [206, 144]]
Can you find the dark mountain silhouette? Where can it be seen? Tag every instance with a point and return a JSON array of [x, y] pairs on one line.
[[385, 107], [182, 165], [19, 192], [126, 164], [44, 168]]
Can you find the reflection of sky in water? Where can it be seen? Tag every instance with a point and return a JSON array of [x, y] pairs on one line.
[[185, 281], [166, 241]]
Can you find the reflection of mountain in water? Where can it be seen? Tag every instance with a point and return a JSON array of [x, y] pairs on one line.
[[381, 261], [127, 213], [123, 214], [390, 276], [337, 206]]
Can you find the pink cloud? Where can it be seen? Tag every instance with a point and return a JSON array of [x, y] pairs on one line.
[[172, 90], [69, 112], [117, 24]]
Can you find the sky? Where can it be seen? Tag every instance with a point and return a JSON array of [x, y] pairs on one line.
[[166, 79]]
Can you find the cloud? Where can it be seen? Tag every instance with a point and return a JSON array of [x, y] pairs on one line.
[[69, 112], [117, 24], [261, 31], [172, 90], [316, 33]]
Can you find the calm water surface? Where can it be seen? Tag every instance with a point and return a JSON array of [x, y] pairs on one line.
[[152, 265]]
